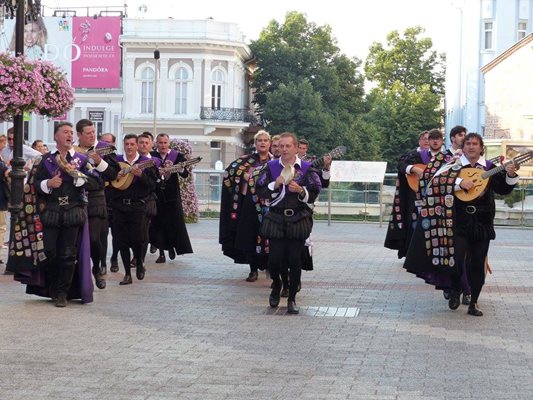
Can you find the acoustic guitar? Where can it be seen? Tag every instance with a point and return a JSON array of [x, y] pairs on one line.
[[412, 179], [337, 152], [125, 177], [480, 177]]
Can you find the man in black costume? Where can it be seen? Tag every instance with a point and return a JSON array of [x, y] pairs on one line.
[[241, 210], [106, 166], [61, 180], [168, 230], [453, 234], [289, 185], [129, 206]]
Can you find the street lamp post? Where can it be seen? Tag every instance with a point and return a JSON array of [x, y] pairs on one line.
[[23, 10], [156, 58]]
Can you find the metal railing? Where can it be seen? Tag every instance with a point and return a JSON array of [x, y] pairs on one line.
[[366, 199], [227, 114]]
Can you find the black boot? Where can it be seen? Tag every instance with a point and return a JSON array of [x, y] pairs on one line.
[[455, 300], [292, 308], [274, 298], [473, 310]]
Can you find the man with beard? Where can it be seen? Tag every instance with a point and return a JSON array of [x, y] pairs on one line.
[[241, 210], [274, 147], [454, 234], [107, 168], [168, 230]]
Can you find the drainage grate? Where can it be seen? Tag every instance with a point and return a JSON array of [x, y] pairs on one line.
[[345, 312]]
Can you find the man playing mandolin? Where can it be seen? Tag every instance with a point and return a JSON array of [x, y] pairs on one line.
[[129, 195]]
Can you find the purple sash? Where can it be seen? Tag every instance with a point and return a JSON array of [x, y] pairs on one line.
[[50, 163], [170, 158], [425, 155], [275, 168]]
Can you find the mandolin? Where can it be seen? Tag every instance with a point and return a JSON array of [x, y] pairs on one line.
[[125, 177], [480, 177], [412, 179], [179, 166]]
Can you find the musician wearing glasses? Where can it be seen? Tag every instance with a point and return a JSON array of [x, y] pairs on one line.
[[290, 185], [61, 180], [102, 159], [129, 195]]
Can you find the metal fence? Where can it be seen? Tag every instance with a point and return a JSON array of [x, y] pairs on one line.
[[364, 198]]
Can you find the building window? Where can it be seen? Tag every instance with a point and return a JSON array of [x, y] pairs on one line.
[[522, 30], [182, 77], [147, 90], [216, 89], [216, 153], [488, 36]]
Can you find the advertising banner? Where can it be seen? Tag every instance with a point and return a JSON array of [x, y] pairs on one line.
[[85, 48], [95, 52]]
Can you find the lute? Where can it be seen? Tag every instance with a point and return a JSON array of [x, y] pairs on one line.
[[480, 177], [125, 177], [179, 166]]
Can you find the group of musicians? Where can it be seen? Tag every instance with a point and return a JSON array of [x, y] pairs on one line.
[[444, 223], [266, 211], [64, 222]]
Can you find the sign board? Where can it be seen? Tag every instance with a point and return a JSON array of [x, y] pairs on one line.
[[358, 171], [96, 116]]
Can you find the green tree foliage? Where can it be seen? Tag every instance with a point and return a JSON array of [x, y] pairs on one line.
[[305, 85], [408, 96]]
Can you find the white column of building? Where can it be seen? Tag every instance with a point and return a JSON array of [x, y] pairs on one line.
[[164, 104], [207, 82], [129, 90], [230, 87], [196, 89]]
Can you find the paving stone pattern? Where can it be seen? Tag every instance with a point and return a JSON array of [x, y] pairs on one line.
[[194, 329]]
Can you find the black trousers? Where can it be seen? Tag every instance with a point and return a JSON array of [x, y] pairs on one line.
[[286, 252], [98, 228], [60, 244], [471, 255]]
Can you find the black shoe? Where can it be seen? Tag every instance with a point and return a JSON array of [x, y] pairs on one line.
[[153, 249], [466, 299], [455, 300], [126, 281], [171, 254], [61, 300], [100, 282], [274, 298], [446, 294], [473, 310], [284, 292], [161, 259], [252, 276], [292, 308], [139, 272], [114, 265]]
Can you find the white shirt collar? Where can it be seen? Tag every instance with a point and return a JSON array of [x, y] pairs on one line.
[[481, 161], [297, 162], [135, 159]]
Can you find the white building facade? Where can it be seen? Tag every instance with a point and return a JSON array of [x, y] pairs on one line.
[[197, 90], [480, 32]]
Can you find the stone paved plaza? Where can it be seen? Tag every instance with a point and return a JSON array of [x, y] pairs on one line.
[[194, 329]]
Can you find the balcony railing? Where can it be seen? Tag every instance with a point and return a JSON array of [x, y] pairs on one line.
[[227, 114]]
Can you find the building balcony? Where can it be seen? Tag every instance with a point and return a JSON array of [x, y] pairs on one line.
[[227, 114]]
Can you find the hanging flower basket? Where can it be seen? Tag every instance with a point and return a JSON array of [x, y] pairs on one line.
[[189, 200], [32, 86]]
